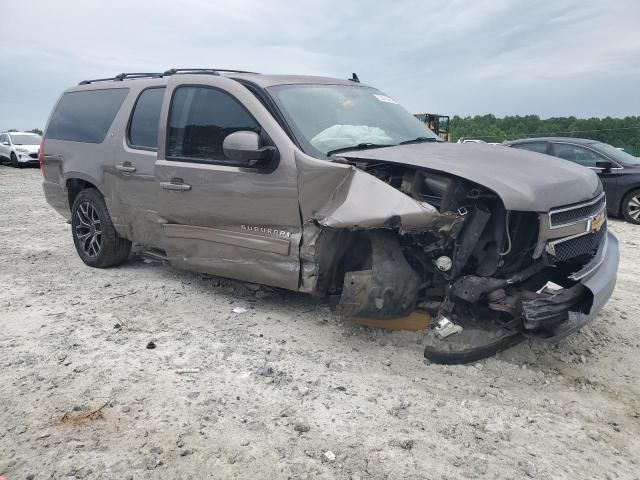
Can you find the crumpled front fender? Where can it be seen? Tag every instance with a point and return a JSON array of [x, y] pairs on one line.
[[342, 196]]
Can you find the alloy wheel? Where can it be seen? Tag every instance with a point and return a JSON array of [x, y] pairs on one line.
[[88, 229], [634, 207]]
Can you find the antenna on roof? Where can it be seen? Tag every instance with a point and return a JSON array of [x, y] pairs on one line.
[[354, 78]]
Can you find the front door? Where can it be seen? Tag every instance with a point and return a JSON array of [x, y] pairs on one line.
[[222, 217]]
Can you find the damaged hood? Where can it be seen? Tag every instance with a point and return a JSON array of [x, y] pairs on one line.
[[524, 180]]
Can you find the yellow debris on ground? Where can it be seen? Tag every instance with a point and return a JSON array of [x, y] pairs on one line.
[[415, 321]]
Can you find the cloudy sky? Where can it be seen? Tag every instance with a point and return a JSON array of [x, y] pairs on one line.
[[551, 58]]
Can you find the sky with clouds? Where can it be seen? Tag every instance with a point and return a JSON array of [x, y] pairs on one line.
[[506, 57]]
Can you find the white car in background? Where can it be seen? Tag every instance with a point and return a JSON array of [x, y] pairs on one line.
[[20, 148]]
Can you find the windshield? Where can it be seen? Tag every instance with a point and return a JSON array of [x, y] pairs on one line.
[[24, 139], [618, 155], [325, 118]]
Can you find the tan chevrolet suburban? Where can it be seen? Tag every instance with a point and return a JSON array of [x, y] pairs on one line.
[[330, 187]]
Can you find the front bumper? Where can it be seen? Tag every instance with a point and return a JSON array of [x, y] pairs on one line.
[[27, 159], [599, 277]]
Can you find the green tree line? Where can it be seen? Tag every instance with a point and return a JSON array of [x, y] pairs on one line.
[[33, 130], [619, 132]]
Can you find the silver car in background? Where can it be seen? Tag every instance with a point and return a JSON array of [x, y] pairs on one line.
[[20, 148]]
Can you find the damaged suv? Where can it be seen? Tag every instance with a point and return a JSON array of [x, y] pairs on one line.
[[330, 187]]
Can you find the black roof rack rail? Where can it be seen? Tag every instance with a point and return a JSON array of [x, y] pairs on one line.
[[123, 76], [210, 71], [172, 71]]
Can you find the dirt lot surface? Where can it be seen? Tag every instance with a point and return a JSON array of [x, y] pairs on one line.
[[281, 384]]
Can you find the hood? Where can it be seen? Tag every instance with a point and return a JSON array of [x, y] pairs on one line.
[[525, 181]]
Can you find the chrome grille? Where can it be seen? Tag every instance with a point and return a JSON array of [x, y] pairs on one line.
[[576, 247], [577, 213]]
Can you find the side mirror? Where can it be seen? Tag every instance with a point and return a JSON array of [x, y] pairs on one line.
[[604, 166], [244, 146], [6, 144]]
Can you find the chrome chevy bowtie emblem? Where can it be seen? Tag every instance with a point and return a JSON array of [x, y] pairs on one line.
[[597, 222]]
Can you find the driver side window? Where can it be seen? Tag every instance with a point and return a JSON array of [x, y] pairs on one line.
[[579, 155], [200, 119]]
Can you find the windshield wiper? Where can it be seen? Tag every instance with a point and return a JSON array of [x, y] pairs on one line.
[[360, 146], [419, 140]]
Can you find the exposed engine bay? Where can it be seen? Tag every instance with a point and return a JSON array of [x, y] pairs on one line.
[[486, 275]]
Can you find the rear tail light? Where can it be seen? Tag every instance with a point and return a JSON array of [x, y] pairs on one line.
[[41, 156]]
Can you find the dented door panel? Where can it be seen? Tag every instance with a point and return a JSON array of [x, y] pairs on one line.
[[231, 221], [233, 254]]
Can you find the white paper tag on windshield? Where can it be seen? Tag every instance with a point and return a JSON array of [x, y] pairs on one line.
[[384, 98]]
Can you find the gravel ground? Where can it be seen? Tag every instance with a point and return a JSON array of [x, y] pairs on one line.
[[283, 389]]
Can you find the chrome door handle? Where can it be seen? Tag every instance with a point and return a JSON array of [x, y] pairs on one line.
[[126, 168], [175, 186]]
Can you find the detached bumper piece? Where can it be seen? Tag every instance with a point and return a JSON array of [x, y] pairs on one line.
[[450, 355], [549, 312], [550, 315]]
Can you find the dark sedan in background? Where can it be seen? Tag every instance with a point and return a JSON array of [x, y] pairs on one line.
[[618, 171]]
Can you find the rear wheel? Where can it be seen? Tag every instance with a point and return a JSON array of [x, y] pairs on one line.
[[96, 240], [631, 207]]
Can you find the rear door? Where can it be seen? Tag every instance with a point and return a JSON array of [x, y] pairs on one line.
[[222, 217], [588, 158], [134, 167]]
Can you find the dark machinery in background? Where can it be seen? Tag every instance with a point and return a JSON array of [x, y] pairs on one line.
[[438, 124]]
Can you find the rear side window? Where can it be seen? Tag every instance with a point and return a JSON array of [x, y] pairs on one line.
[[200, 119], [540, 147], [85, 116], [145, 119]]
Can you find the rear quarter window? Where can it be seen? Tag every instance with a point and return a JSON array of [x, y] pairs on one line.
[[85, 116], [539, 147]]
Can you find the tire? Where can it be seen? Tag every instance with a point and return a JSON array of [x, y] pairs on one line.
[[631, 207], [96, 240], [14, 161]]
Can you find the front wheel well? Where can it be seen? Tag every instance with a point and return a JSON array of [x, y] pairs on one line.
[[75, 186]]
